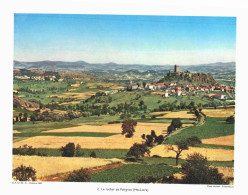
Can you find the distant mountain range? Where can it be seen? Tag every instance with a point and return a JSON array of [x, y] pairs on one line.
[[114, 68]]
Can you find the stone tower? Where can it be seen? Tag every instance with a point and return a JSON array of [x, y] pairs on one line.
[[176, 69]]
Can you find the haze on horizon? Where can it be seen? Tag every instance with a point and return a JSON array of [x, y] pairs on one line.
[[124, 39]]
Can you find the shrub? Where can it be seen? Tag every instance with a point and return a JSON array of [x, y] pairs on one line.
[[170, 129], [156, 156], [230, 120], [68, 150], [193, 140], [138, 150], [77, 151], [148, 179], [24, 173], [24, 150], [82, 175], [198, 171], [114, 122], [159, 139], [170, 179], [41, 154], [93, 154], [176, 122], [149, 140]]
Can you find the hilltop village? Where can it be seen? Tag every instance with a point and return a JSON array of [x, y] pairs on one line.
[[178, 88]]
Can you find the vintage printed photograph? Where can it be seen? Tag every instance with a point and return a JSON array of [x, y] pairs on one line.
[[124, 98]]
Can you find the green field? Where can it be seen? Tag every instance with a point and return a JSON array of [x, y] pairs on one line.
[[131, 173], [40, 90], [214, 146], [16, 111], [100, 153], [213, 127], [172, 161], [163, 120], [38, 126]]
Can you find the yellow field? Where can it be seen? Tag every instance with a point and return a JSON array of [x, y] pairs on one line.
[[85, 142], [115, 128], [75, 85], [210, 153], [15, 131], [73, 102], [157, 93], [223, 140], [52, 165], [105, 85], [169, 114], [113, 142], [77, 95], [226, 171], [218, 112]]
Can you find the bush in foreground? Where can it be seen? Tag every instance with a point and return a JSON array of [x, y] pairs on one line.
[[82, 175], [198, 171], [24, 173]]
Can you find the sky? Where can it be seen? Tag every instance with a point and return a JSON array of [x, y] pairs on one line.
[[124, 39]]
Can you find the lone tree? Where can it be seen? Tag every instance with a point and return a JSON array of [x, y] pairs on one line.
[[176, 122], [138, 150], [24, 173], [82, 175], [68, 150], [197, 170], [181, 145], [128, 127]]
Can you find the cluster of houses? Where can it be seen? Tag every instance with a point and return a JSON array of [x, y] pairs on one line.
[[173, 89]]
